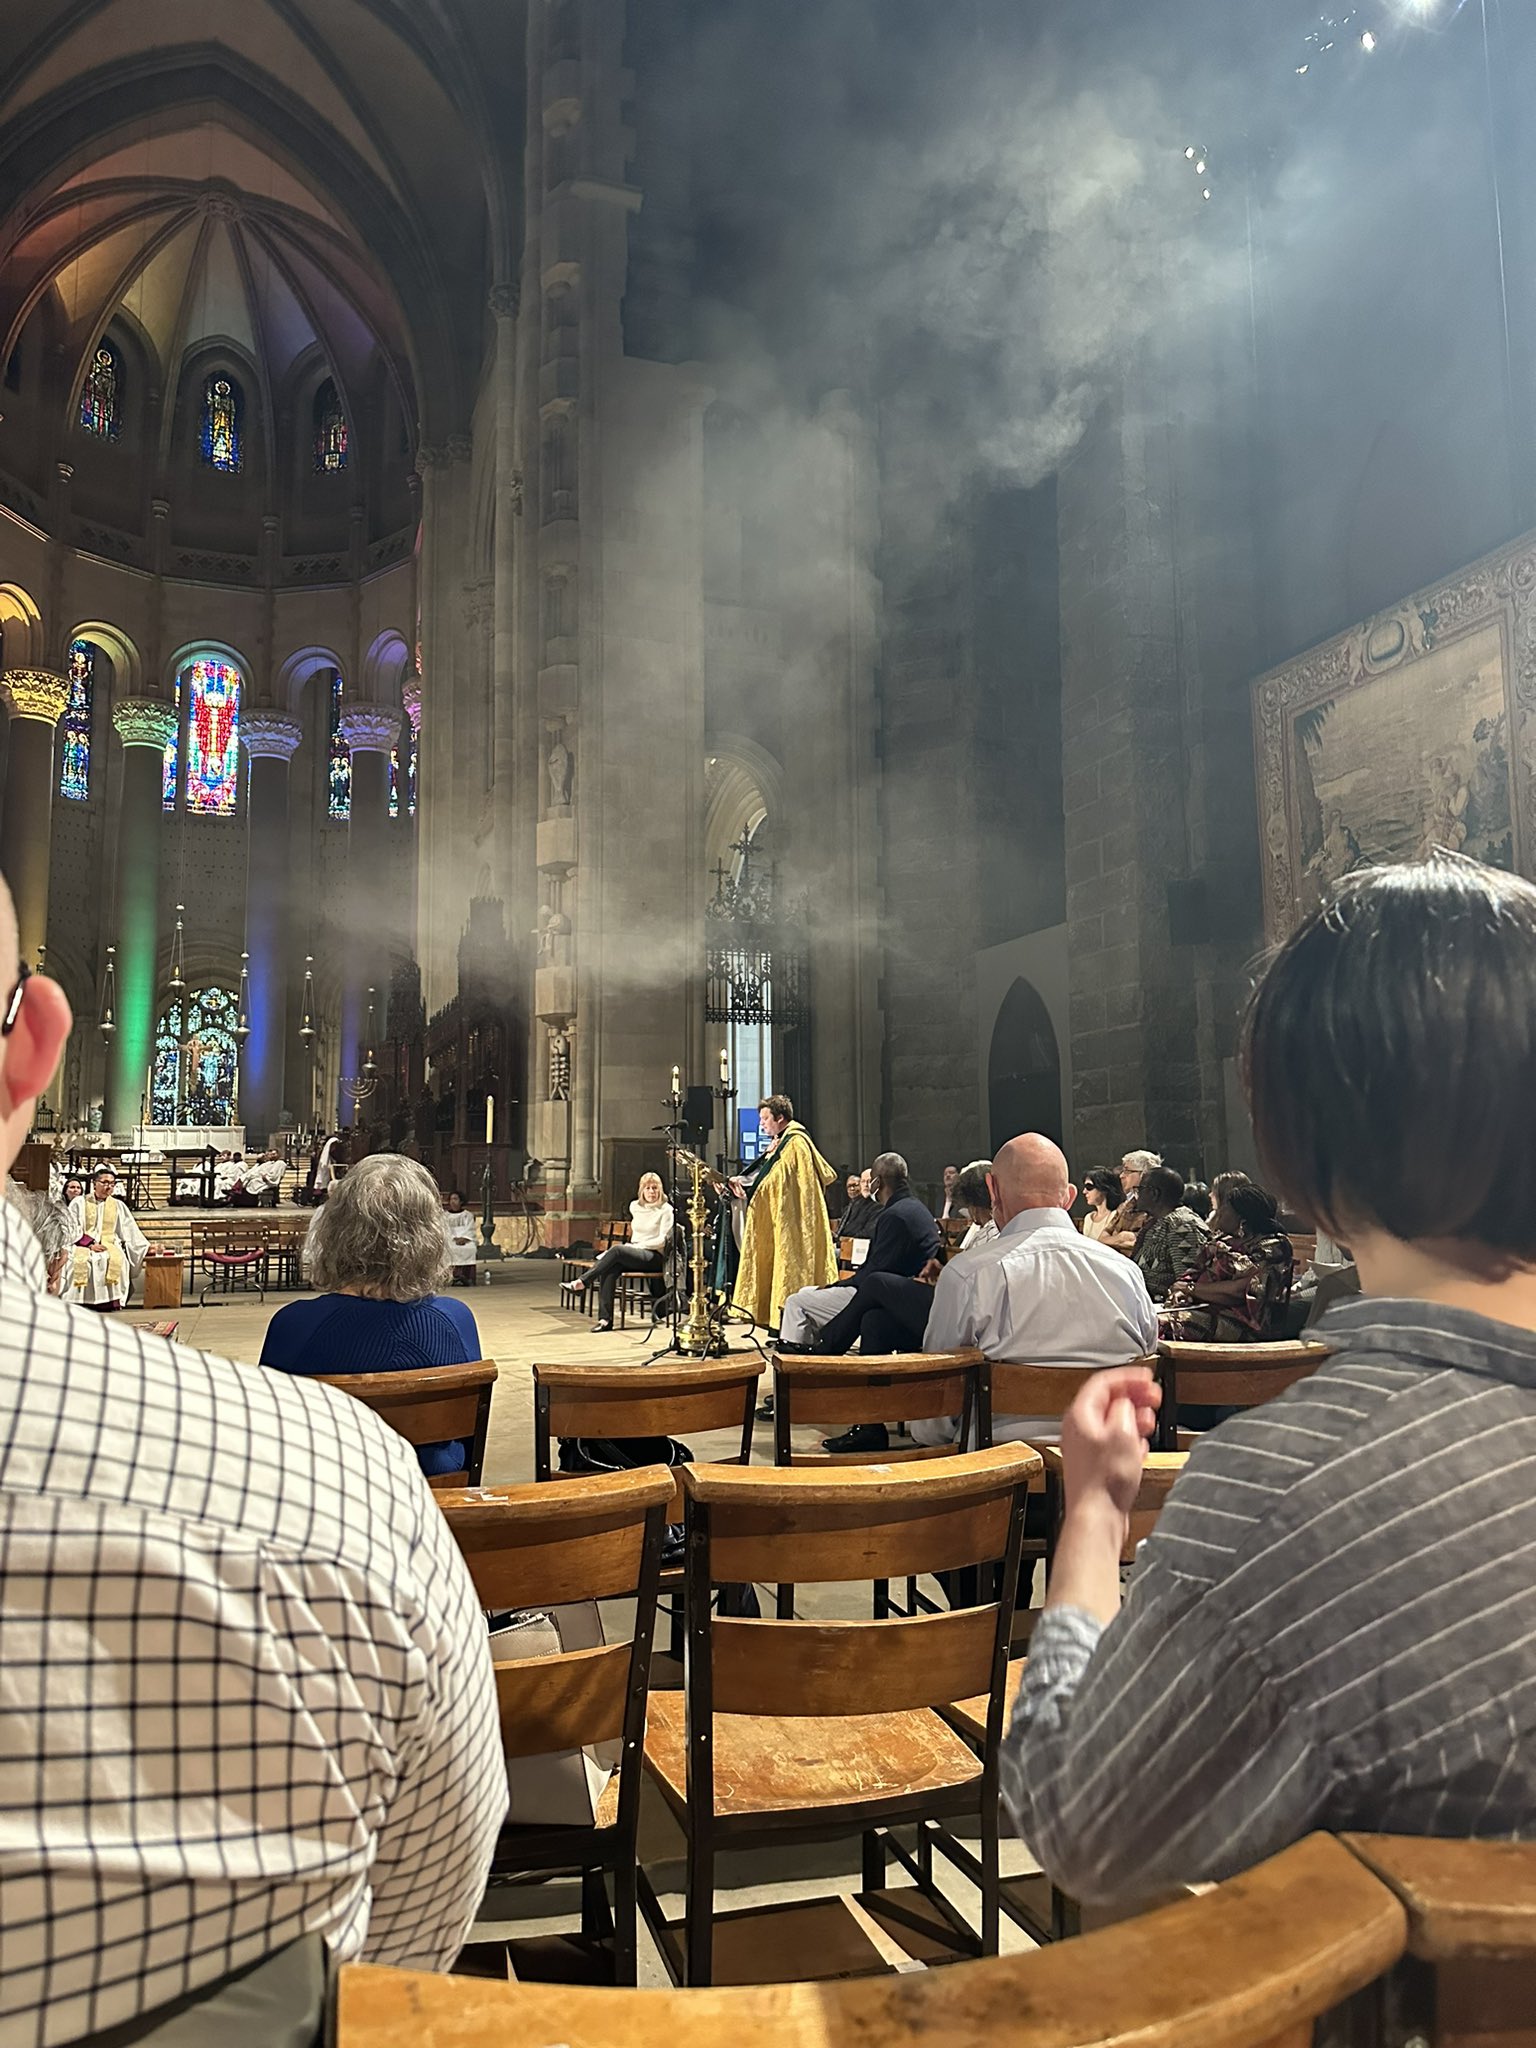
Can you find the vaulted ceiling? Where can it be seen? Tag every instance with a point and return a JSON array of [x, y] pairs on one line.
[[285, 175]]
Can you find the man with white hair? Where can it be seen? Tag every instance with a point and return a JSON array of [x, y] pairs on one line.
[[249, 1707], [109, 1246], [1125, 1226]]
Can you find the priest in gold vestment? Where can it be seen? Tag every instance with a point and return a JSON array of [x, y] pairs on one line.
[[108, 1247], [787, 1236]]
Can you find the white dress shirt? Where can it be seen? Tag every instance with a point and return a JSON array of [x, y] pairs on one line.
[[1040, 1293], [246, 1685]]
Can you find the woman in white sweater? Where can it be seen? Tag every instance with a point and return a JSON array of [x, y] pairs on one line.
[[650, 1234]]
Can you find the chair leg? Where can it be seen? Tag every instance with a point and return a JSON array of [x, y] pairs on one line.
[[874, 1860], [784, 1604], [596, 1920], [990, 1881], [626, 1953], [699, 1932], [675, 1627]]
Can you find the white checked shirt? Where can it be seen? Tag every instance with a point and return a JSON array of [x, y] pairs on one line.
[[245, 1688]]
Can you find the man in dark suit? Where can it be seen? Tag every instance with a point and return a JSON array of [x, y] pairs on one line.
[[904, 1240]]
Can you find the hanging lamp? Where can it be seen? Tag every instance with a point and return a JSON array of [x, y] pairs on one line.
[[243, 1020], [307, 1027], [108, 1021], [178, 978]]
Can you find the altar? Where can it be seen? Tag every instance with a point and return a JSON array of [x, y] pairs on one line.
[[170, 1138]]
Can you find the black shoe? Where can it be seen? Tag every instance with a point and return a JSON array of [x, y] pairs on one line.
[[602, 1326], [864, 1436], [764, 1409]]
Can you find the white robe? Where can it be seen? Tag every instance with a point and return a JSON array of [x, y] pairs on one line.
[[325, 1173], [459, 1229], [264, 1174], [99, 1284]]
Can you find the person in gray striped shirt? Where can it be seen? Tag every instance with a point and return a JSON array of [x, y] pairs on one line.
[[1333, 1624]]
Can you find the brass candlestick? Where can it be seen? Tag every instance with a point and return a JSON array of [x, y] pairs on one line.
[[697, 1338]]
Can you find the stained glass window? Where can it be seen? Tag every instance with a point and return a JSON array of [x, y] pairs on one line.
[[213, 738], [75, 727], [330, 430], [341, 756], [99, 396], [223, 405], [412, 745], [172, 756], [197, 1060]]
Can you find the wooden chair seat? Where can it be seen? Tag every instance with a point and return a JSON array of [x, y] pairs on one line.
[[969, 1717], [765, 1765]]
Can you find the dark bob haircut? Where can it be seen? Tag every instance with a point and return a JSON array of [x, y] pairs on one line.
[[1389, 1056], [1107, 1182]]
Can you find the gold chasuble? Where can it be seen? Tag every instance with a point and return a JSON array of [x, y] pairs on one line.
[[787, 1239]]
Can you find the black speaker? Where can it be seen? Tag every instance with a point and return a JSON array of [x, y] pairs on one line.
[[699, 1117]]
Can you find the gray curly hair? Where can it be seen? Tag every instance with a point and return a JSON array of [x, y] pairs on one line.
[[380, 1231]]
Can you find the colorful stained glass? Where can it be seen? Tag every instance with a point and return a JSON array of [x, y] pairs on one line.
[[223, 405], [412, 737], [75, 726], [99, 396], [341, 756], [197, 1060], [172, 757], [330, 430], [213, 738]]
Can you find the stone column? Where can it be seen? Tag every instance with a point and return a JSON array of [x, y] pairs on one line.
[[376, 928], [144, 725], [37, 698], [270, 741]]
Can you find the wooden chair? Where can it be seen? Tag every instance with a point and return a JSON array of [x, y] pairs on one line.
[[804, 1731], [227, 1255], [952, 1233], [438, 1404], [626, 1401], [572, 1269], [905, 1387], [539, 1546], [1250, 1964], [1469, 1979], [1227, 1376]]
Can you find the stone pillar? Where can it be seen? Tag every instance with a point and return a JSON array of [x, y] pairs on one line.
[[37, 698], [144, 725], [270, 741], [375, 926]]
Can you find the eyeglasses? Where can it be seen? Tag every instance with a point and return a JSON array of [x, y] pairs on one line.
[[13, 1000]]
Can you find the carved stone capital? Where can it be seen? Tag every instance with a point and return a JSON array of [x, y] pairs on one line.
[[144, 722], [269, 736], [460, 448], [36, 693], [429, 458], [410, 701], [503, 300], [369, 728]]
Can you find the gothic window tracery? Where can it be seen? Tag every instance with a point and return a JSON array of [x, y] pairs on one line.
[[330, 430], [197, 1060], [213, 738], [339, 804]]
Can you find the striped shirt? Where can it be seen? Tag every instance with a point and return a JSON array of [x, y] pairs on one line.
[[1333, 1625], [245, 1690]]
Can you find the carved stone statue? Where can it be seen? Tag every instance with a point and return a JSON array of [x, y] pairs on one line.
[[561, 764], [553, 926], [559, 1067]]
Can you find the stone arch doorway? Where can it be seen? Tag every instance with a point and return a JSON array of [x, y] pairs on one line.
[[1023, 1069]]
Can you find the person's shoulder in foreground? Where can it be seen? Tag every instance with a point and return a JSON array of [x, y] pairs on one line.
[[245, 1571], [1334, 1621]]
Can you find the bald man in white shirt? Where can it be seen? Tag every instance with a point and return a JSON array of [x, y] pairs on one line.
[[1039, 1293]]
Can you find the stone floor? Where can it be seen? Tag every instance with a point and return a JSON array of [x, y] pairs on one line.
[[521, 1323]]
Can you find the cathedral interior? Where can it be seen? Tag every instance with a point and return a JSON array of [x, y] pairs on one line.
[[862, 550]]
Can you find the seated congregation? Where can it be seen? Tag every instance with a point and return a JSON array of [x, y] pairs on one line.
[[1295, 1609]]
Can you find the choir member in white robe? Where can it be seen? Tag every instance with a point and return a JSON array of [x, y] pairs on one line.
[[459, 1229], [266, 1174], [228, 1174], [108, 1247]]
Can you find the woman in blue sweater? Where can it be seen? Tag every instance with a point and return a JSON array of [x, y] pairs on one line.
[[376, 1251]]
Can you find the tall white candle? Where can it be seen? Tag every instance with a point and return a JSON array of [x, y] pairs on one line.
[[490, 1118], [677, 1080], [725, 1066]]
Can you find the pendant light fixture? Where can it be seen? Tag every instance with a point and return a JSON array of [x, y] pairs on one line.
[[108, 1022]]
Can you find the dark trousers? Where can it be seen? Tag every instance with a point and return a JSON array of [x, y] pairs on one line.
[[617, 1260], [888, 1313]]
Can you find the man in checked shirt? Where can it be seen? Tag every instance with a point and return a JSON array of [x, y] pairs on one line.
[[1333, 1624], [246, 1702]]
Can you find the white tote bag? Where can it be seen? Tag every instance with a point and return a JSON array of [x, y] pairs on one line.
[[562, 1789]]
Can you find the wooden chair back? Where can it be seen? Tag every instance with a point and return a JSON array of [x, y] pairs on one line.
[[909, 1386], [864, 1522], [1470, 1977], [1250, 1964], [437, 1404], [1227, 1376], [620, 1401], [598, 1538], [952, 1232], [1008, 1389], [1158, 1477]]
